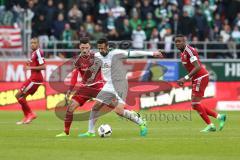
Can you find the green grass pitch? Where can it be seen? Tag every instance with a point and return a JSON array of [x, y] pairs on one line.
[[172, 138]]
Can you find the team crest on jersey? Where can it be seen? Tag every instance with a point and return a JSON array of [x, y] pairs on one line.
[[105, 65]]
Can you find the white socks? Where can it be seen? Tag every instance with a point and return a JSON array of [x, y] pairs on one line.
[[126, 113], [218, 116], [92, 121], [133, 117]]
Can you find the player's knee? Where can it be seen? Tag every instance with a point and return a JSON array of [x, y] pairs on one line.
[[97, 103], [119, 111], [97, 106], [18, 95], [195, 104], [71, 108], [193, 107]]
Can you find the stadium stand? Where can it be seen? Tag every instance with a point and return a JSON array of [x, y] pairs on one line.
[[140, 21]]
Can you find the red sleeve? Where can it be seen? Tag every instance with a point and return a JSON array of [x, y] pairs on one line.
[[195, 52], [73, 79]]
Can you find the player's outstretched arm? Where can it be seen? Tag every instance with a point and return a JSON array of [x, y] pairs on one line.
[[138, 53], [146, 53]]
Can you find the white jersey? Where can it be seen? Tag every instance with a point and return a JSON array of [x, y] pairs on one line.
[[112, 67], [114, 73]]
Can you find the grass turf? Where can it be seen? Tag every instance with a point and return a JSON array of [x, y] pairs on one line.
[[172, 135]]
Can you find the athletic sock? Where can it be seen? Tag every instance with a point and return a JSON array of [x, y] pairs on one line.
[[92, 121], [133, 117], [25, 108], [211, 112], [68, 121], [202, 112], [219, 116]]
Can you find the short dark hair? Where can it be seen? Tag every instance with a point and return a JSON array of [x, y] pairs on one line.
[[84, 40], [179, 35], [102, 41], [35, 37]]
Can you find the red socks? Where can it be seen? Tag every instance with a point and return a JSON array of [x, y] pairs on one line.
[[25, 108], [211, 112], [202, 112], [68, 121]]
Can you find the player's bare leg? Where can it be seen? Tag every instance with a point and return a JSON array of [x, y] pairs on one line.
[[68, 118], [28, 114]]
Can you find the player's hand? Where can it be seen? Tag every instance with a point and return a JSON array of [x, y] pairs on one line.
[[181, 81], [68, 94], [158, 54], [28, 62]]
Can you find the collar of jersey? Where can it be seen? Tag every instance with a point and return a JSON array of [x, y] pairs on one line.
[[109, 50]]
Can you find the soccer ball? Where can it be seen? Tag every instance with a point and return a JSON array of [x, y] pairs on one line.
[[104, 130]]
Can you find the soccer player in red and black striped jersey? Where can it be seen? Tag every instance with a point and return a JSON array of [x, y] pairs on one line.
[[199, 77], [36, 64]]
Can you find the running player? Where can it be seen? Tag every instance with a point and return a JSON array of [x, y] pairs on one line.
[[30, 86], [199, 77], [89, 69], [115, 89]]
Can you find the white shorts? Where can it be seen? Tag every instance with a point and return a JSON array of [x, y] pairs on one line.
[[113, 93]]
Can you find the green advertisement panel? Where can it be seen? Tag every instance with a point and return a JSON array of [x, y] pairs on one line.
[[219, 70]]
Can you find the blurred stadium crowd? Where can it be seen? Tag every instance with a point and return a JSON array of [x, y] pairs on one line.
[[136, 20]]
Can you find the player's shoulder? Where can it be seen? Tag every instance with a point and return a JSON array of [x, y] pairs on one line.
[[191, 47], [190, 50], [97, 54], [41, 51], [38, 52], [117, 51]]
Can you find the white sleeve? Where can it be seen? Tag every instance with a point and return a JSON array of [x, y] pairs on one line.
[[136, 53], [121, 52], [141, 53]]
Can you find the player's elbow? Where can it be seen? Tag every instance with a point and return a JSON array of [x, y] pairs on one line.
[[197, 68]]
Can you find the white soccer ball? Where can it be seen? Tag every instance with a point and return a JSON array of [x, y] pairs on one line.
[[104, 130]]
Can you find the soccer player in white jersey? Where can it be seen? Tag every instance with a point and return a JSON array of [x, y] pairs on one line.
[[115, 89]]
